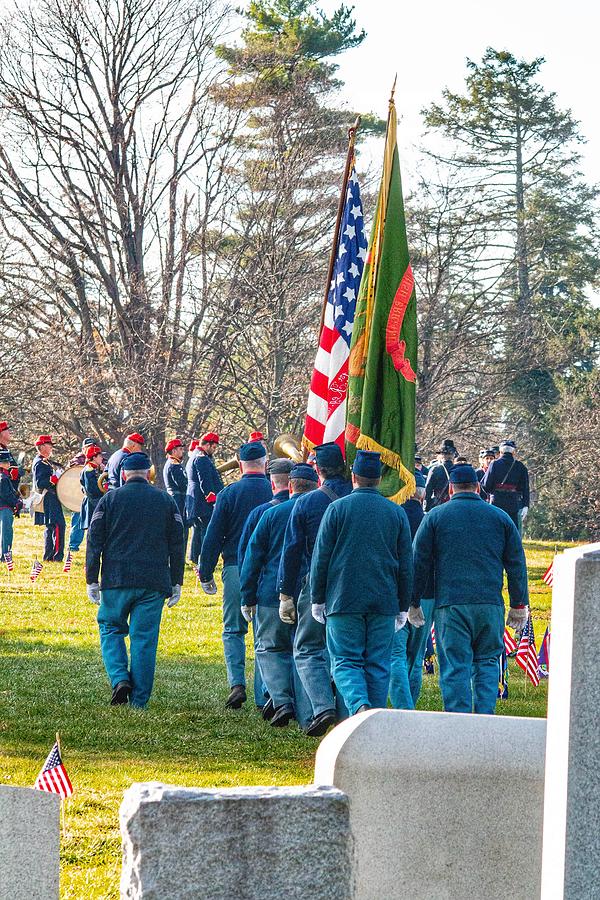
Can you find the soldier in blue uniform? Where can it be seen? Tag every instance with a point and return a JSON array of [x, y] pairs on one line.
[[10, 503], [52, 517], [469, 607], [196, 542], [136, 534], [506, 482], [260, 598], [133, 443], [233, 506], [361, 582], [204, 484], [175, 480], [419, 467], [15, 471], [310, 647], [486, 457], [89, 484], [437, 490], [76, 531], [410, 641]]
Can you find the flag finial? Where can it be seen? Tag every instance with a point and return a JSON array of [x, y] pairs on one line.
[[393, 88]]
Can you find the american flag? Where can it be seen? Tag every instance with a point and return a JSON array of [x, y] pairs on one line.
[[548, 576], [326, 413], [68, 561], [433, 637], [510, 645], [53, 778], [8, 559], [527, 657], [35, 570]]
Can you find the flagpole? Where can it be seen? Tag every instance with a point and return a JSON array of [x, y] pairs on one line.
[[62, 802], [349, 157]]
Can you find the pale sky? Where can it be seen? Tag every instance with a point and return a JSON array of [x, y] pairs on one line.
[[427, 44]]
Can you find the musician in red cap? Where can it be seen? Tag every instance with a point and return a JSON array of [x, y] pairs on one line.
[[258, 436], [51, 513], [133, 443], [89, 484], [204, 483], [175, 479], [15, 471]]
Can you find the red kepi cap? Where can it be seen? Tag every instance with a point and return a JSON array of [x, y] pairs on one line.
[[175, 442], [211, 437], [44, 439], [136, 438]]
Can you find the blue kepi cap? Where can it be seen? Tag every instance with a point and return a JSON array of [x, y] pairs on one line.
[[303, 470], [367, 463], [329, 456], [463, 475], [135, 462], [252, 450]]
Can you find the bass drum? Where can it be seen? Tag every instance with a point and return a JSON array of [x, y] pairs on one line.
[[69, 490]]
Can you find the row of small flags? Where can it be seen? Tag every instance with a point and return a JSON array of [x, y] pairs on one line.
[[37, 566]]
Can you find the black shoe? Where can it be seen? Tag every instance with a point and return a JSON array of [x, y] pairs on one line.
[[120, 693], [237, 696], [282, 716], [268, 710], [321, 723], [363, 708]]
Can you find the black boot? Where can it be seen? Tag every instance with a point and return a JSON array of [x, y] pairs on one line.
[[321, 723], [282, 715], [237, 696], [120, 693], [268, 710]]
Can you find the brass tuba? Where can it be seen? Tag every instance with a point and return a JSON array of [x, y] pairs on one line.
[[287, 446], [228, 465], [103, 478]]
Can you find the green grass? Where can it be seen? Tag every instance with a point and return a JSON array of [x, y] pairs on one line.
[[52, 679]]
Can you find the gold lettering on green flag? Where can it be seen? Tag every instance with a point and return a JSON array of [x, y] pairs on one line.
[[383, 354]]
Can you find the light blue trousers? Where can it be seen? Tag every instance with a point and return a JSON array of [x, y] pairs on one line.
[[135, 612], [311, 656], [469, 643], [76, 534], [6, 530], [235, 629], [408, 651], [274, 653], [360, 647]]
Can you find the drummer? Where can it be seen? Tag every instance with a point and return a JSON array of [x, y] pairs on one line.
[[76, 530], [89, 484]]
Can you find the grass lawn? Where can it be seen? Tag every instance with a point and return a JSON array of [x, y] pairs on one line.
[[52, 679]]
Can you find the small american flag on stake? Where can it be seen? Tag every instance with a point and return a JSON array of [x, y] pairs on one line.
[[35, 570], [548, 576], [510, 645], [527, 657], [8, 559], [53, 777], [68, 561]]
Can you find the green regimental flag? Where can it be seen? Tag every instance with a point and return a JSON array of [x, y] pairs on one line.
[[383, 355]]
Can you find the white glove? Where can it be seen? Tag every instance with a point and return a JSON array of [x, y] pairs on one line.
[[287, 609], [93, 592], [524, 513], [175, 595], [318, 612], [248, 612], [517, 618], [416, 617], [209, 587], [400, 621]]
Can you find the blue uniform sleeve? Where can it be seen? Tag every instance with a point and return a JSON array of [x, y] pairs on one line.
[[515, 566], [324, 547], [292, 555], [214, 538], [524, 486], [41, 476], [175, 542], [90, 485], [405, 563], [423, 559], [95, 543], [249, 526], [254, 562]]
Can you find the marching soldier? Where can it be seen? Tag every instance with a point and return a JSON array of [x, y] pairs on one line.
[[89, 484], [196, 542], [438, 480], [76, 530], [469, 607], [233, 506], [279, 472], [203, 485], [52, 516], [10, 503], [175, 479], [260, 600], [310, 647], [506, 482], [486, 458], [133, 443], [15, 472], [136, 534], [419, 467], [361, 581]]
